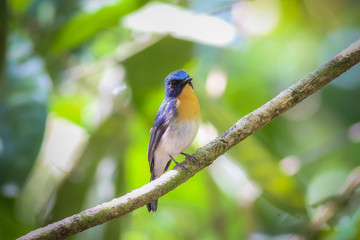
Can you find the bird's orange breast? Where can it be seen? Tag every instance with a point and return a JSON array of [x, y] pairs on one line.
[[187, 105]]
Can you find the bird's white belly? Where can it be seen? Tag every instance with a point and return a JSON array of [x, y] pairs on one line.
[[178, 137]]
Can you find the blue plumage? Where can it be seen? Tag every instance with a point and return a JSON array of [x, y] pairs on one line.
[[176, 75], [175, 82]]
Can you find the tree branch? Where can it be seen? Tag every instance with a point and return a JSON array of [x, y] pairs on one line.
[[205, 155]]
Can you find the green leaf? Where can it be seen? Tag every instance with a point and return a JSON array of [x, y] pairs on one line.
[[20, 6], [85, 25], [70, 107], [11, 226], [23, 112]]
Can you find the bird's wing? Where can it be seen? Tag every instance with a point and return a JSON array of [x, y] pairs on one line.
[[163, 117]]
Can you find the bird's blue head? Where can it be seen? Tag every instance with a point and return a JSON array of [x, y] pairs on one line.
[[175, 82]]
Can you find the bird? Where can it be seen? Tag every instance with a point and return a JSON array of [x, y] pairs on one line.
[[175, 126]]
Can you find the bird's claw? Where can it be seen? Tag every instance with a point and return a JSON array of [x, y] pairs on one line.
[[190, 157], [180, 165]]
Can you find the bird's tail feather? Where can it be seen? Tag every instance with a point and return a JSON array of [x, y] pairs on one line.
[[152, 207]]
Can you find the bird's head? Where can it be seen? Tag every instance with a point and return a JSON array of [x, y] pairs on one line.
[[175, 82]]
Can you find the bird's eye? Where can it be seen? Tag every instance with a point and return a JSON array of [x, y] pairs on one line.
[[174, 83]]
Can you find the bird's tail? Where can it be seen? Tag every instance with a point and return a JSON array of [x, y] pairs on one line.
[[152, 207]]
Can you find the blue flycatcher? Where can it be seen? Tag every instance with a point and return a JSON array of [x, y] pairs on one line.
[[175, 126]]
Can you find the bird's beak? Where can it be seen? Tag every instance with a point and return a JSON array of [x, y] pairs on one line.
[[188, 80]]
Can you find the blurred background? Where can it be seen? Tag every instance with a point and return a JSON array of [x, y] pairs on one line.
[[81, 81]]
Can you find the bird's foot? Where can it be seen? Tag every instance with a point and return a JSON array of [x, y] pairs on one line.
[[190, 157], [180, 165]]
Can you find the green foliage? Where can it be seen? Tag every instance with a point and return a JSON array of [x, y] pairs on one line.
[[23, 111], [20, 6], [85, 25], [84, 81]]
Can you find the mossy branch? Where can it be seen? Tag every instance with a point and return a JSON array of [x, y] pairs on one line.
[[205, 155]]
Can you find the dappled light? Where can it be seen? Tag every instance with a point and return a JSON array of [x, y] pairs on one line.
[[216, 83], [354, 133], [290, 165], [206, 133], [233, 181], [168, 19], [256, 17]]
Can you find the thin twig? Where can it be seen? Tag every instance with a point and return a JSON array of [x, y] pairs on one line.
[[332, 205], [205, 155]]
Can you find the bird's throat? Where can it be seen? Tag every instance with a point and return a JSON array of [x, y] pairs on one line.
[[187, 105]]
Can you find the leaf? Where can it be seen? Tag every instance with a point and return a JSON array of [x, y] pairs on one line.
[[23, 111], [20, 6], [70, 107], [11, 226], [85, 25]]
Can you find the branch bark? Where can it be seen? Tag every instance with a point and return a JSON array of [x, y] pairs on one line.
[[205, 155]]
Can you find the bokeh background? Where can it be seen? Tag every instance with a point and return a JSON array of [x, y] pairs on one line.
[[81, 82]]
